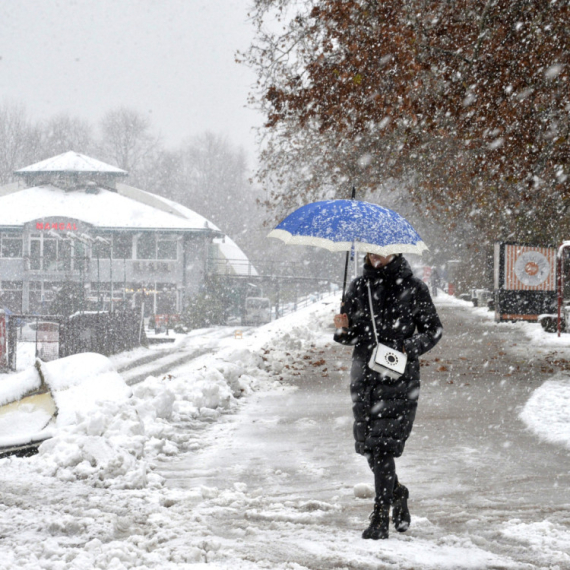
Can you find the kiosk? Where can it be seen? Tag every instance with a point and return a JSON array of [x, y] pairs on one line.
[[524, 281]]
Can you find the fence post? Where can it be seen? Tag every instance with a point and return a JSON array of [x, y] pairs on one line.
[[12, 343], [62, 336], [277, 301]]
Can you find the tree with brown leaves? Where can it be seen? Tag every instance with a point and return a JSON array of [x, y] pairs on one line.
[[465, 104]]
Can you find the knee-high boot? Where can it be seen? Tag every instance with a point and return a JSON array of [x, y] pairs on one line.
[[400, 512]]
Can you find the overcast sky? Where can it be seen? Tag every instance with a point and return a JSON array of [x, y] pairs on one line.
[[172, 59]]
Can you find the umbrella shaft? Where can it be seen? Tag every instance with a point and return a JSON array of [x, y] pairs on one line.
[[346, 262], [344, 282]]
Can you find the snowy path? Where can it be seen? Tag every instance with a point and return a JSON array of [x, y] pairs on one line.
[[267, 480], [277, 480], [165, 360], [476, 469]]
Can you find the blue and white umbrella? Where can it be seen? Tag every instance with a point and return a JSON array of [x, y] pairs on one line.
[[350, 225], [340, 225]]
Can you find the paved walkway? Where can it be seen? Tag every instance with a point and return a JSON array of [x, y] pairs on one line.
[[471, 465]]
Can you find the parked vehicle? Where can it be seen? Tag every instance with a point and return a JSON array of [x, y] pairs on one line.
[[481, 297], [549, 321], [257, 311]]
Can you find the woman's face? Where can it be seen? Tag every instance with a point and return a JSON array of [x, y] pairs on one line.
[[379, 260]]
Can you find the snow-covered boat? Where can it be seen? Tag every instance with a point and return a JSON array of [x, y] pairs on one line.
[[36, 403]]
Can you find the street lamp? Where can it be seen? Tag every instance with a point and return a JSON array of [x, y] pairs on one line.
[[109, 243], [106, 242]]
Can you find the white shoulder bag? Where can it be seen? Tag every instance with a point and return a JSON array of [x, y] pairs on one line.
[[385, 360]]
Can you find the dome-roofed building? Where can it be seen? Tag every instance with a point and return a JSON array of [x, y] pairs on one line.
[[71, 218]]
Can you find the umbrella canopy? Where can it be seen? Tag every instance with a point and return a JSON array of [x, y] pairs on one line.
[[339, 225]]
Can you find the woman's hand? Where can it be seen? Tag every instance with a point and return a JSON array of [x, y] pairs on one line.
[[341, 321]]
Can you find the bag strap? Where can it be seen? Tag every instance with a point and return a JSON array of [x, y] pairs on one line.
[[372, 311]]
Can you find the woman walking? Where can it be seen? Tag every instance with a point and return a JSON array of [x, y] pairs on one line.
[[384, 408]]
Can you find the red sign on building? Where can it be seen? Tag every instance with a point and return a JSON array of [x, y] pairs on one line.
[[61, 226]]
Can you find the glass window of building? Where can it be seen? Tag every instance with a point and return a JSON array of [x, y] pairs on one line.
[[35, 297], [11, 295], [122, 246], [35, 252], [146, 246], [166, 247], [42, 295], [11, 245], [151, 246], [49, 292], [52, 254]]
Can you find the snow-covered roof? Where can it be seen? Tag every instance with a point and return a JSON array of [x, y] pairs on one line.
[[105, 210], [231, 253], [71, 162], [157, 202], [183, 210], [127, 208]]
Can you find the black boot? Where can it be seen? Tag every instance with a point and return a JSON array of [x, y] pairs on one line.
[[379, 520], [400, 512]]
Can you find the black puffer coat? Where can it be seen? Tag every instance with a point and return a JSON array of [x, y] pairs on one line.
[[406, 319]]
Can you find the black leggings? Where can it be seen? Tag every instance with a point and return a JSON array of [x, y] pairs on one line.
[[385, 478]]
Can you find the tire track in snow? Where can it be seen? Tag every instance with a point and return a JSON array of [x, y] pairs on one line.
[[161, 363]]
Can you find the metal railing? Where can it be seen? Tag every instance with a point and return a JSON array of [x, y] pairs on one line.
[[307, 300], [50, 337], [261, 267]]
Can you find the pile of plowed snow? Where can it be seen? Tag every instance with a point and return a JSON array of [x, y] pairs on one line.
[[108, 434]]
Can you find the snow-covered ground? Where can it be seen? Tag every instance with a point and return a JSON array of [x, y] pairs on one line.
[[138, 483], [547, 412], [61, 508]]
